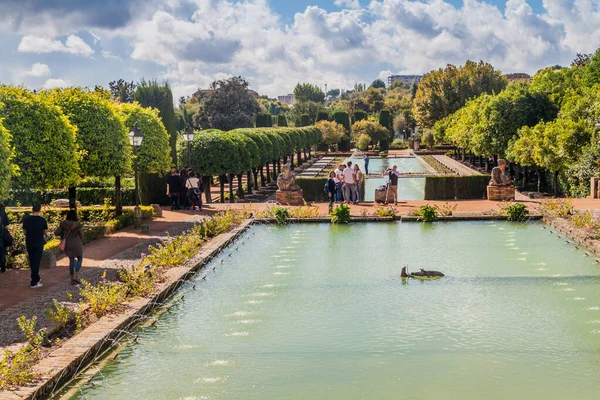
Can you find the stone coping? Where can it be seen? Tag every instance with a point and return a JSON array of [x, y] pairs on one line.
[[470, 216], [577, 235], [63, 363]]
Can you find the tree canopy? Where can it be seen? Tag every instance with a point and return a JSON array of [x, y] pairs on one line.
[[230, 105], [6, 156], [304, 92]]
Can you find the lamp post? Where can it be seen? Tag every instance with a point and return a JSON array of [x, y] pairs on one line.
[[188, 136], [135, 139]]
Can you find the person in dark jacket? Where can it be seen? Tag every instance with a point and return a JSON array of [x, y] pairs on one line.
[[183, 198], [173, 188], [331, 189], [72, 230], [4, 222], [36, 228]]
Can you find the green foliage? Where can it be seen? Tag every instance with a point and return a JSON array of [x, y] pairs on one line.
[[586, 167], [16, 367], [282, 121], [281, 215], [371, 129], [456, 187], [122, 90], [322, 115], [556, 208], [43, 139], [305, 120], [340, 214], [342, 118], [332, 132], [363, 141], [263, 120], [426, 213], [385, 211], [515, 211], [359, 115], [6, 158], [399, 144], [87, 196], [103, 297], [230, 105], [159, 96], [378, 84], [101, 132], [446, 210], [444, 91], [304, 92], [61, 315], [153, 155]]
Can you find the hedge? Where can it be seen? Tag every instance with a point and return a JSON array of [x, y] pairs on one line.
[[87, 196], [342, 118], [86, 214], [313, 189], [456, 187]]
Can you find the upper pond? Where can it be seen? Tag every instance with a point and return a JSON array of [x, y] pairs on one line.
[[317, 311]]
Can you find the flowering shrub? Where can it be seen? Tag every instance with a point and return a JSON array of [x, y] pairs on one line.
[[16, 367], [556, 208], [385, 211], [103, 297]]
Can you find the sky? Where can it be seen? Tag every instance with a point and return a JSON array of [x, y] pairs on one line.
[[275, 44]]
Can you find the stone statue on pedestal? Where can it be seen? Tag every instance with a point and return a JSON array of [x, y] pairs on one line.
[[288, 193], [500, 187]]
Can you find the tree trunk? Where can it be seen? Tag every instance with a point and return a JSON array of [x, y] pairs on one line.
[[231, 194], [299, 157], [555, 179], [524, 178], [240, 189], [249, 183], [255, 180], [118, 205], [222, 179], [292, 161], [262, 177], [268, 173], [539, 175], [279, 165], [207, 180], [72, 198]]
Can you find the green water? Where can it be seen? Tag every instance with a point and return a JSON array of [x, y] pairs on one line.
[[379, 165], [318, 312]]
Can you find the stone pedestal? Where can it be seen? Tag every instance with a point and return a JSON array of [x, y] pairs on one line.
[[501, 193], [380, 195], [290, 197], [48, 260]]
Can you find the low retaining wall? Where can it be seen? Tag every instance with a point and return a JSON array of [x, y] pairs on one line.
[[64, 363], [577, 235]]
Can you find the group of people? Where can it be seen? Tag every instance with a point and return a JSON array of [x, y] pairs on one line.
[[35, 227], [185, 188], [344, 184]]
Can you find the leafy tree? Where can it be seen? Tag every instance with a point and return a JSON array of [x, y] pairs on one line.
[[231, 105], [444, 91], [378, 84], [322, 115], [385, 120], [359, 115], [263, 120], [6, 157], [159, 96], [43, 139], [332, 132], [309, 108], [371, 129], [305, 120], [333, 93], [586, 167], [249, 159], [363, 141], [122, 90], [304, 92]]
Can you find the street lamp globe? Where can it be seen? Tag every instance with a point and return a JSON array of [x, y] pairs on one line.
[[188, 136], [135, 136]]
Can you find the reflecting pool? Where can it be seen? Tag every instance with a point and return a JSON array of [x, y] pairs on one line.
[[317, 311], [379, 165]]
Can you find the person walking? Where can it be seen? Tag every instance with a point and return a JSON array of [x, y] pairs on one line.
[[360, 178], [331, 189], [36, 228], [173, 188], [366, 164], [71, 232], [350, 184], [4, 222], [392, 191], [194, 192]]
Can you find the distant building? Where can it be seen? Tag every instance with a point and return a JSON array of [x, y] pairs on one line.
[[519, 77], [406, 79], [287, 99]]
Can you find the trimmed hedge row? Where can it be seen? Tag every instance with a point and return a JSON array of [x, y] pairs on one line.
[[456, 187], [85, 214], [87, 196]]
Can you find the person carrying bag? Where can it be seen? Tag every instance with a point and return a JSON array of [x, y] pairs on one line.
[[71, 243]]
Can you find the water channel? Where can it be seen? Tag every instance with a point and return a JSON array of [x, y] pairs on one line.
[[317, 311]]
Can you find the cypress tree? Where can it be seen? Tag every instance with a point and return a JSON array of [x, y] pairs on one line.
[[281, 121], [342, 118], [385, 120]]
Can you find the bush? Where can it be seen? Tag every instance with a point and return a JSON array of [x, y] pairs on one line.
[[385, 211], [399, 144], [87, 196], [559, 208], [340, 214], [426, 213], [16, 367], [446, 210], [363, 142], [282, 121], [104, 297], [515, 211], [322, 115], [305, 120], [263, 120]]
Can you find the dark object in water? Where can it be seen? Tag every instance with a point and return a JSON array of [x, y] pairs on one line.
[[421, 274]]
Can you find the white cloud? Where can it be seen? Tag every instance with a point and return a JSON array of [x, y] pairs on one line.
[[39, 44], [347, 3], [109, 56], [38, 70], [55, 83]]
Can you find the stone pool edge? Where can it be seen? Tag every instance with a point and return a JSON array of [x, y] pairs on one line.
[[59, 366], [577, 235]]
